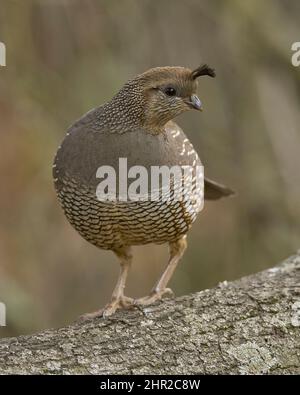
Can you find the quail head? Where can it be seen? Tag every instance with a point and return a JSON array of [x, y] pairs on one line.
[[137, 126]]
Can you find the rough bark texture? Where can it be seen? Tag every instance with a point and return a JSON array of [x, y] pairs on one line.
[[247, 326]]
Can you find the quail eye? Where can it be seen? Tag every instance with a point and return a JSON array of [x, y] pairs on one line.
[[170, 91]]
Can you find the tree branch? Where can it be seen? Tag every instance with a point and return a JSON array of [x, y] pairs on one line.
[[246, 326]]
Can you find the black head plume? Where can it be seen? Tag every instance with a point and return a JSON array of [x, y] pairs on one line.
[[203, 70]]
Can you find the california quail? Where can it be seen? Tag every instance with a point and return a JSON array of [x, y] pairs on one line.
[[135, 124]]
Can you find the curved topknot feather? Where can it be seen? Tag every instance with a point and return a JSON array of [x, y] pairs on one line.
[[203, 70]]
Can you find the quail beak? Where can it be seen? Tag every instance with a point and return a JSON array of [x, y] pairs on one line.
[[195, 102]]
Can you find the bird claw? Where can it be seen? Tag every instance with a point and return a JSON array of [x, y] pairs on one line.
[[154, 297], [126, 303], [120, 303], [90, 316]]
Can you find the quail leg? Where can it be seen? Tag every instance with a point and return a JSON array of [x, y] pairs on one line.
[[177, 249], [118, 299]]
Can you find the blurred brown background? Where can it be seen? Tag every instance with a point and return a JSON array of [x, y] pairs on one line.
[[66, 57]]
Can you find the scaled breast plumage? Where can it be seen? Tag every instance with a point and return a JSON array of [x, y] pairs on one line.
[[113, 224]]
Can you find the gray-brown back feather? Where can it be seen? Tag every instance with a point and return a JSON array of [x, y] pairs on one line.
[[84, 149]]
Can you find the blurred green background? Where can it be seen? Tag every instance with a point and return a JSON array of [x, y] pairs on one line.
[[66, 57]]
